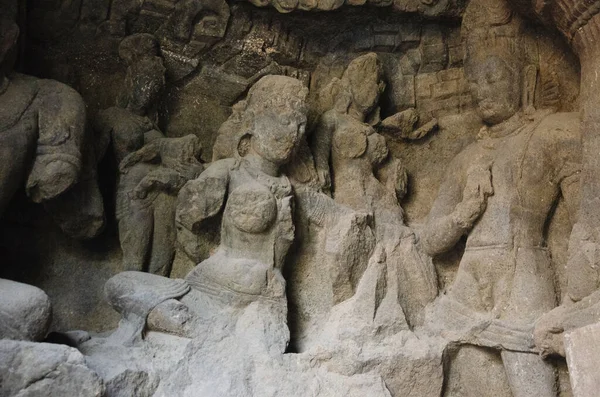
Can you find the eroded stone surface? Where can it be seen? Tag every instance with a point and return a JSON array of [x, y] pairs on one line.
[[43, 369], [387, 212]]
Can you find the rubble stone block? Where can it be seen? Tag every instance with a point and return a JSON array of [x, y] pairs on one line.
[[582, 348], [444, 89]]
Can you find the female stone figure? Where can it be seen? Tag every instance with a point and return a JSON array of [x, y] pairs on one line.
[[256, 229], [356, 153], [499, 192]]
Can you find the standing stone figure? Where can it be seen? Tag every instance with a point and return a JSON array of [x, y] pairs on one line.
[[499, 192], [149, 180], [152, 168], [356, 155]]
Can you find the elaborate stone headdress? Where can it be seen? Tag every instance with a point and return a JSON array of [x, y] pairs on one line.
[[274, 91], [490, 27]]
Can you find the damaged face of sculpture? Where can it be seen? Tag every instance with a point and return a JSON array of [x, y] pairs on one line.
[[495, 84], [277, 130]]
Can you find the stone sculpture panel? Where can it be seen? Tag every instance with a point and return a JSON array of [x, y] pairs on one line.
[[288, 198]]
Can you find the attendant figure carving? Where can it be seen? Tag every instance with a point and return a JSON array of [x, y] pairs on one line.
[[152, 168], [359, 157], [257, 228]]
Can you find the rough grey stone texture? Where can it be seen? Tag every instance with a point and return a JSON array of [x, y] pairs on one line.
[[581, 350], [41, 369], [26, 312], [304, 233]]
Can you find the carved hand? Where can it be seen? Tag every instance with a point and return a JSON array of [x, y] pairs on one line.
[[162, 179], [477, 189], [324, 179], [548, 333]]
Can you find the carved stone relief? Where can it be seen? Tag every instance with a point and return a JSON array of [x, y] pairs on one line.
[[298, 198]]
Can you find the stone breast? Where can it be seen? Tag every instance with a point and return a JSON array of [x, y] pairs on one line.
[[251, 208]]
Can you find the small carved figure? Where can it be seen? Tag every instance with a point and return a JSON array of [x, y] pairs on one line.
[[152, 168], [499, 192], [149, 181], [357, 153]]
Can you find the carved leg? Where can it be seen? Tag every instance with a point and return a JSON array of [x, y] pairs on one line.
[[529, 375], [135, 235], [163, 240], [476, 372]]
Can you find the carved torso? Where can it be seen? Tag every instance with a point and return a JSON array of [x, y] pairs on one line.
[[256, 233], [506, 269], [527, 168], [257, 221]]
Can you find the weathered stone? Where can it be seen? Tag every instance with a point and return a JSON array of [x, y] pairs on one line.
[[41, 369], [581, 351], [318, 246], [25, 313]]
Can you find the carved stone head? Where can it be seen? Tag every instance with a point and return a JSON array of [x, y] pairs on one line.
[[145, 78], [363, 78], [501, 78], [276, 117], [496, 87]]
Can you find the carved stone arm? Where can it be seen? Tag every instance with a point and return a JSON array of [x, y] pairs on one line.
[[443, 229], [148, 153], [161, 179], [204, 196], [321, 147]]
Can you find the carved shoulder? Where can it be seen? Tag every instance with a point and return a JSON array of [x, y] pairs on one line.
[[561, 138], [204, 196]]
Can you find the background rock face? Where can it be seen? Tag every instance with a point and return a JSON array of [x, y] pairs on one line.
[[347, 336]]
